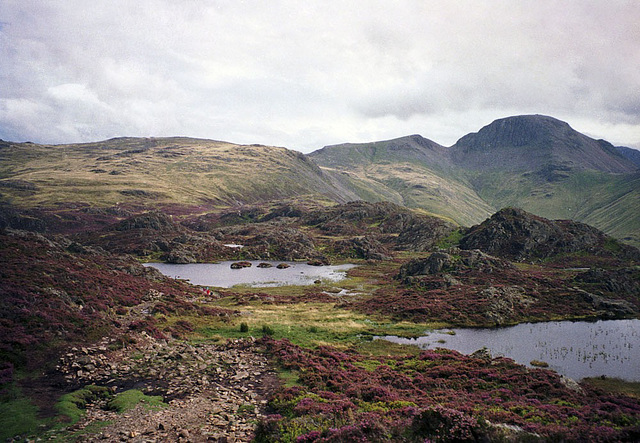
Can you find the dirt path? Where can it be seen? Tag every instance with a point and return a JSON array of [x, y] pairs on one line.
[[214, 392]]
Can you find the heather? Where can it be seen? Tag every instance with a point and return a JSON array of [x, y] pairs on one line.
[[471, 288], [438, 395], [59, 294], [77, 310]]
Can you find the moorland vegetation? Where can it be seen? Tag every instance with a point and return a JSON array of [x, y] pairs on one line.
[[96, 346]]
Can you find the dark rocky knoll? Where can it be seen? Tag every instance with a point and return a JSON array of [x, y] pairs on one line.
[[518, 235]]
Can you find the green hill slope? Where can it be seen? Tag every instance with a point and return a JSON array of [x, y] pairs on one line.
[[415, 171], [159, 170]]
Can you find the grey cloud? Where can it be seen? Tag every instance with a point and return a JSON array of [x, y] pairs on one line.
[[312, 73]]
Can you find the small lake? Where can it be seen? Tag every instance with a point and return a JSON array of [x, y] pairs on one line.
[[222, 276], [573, 349]]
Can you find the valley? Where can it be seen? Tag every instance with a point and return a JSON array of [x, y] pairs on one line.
[[96, 346]]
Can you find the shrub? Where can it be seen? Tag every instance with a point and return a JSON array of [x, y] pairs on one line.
[[244, 327]]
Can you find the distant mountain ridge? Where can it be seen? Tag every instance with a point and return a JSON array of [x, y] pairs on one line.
[[534, 162]]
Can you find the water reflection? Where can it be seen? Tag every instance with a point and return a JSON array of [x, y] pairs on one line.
[[574, 349], [221, 275]]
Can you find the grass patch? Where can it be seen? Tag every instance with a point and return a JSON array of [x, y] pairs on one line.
[[306, 324], [451, 240], [72, 405], [18, 415], [127, 400], [288, 378], [615, 385], [380, 348]]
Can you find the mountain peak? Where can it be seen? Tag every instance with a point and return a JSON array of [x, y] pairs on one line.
[[529, 142], [521, 130]]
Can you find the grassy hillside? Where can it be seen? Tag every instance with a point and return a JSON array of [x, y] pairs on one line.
[[411, 171], [160, 170]]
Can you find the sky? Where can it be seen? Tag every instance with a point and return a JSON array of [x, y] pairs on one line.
[[306, 74]]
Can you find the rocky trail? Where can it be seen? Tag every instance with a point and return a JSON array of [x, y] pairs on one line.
[[212, 392]]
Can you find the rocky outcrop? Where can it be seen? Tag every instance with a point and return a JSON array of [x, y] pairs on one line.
[[421, 234], [156, 221], [12, 218], [616, 281], [179, 257], [266, 241], [504, 302], [453, 260], [611, 308], [367, 248], [518, 235]]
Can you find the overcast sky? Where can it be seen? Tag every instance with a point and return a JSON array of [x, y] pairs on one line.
[[305, 74]]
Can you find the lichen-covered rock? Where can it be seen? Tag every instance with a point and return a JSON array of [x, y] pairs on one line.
[[504, 301]]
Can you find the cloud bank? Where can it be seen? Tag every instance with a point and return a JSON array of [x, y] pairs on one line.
[[307, 74]]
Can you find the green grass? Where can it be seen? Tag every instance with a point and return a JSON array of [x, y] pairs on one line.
[[288, 378], [72, 405], [18, 415], [127, 400], [451, 240]]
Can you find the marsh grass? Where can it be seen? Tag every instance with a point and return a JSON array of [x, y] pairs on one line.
[[383, 348]]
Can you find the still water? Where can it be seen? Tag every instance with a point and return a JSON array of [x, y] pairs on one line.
[[221, 275], [573, 349]]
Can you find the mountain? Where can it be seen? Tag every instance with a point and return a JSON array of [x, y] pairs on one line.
[[630, 154], [534, 162], [412, 171], [534, 142]]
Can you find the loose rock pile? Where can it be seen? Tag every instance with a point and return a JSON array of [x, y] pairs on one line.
[[213, 392]]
